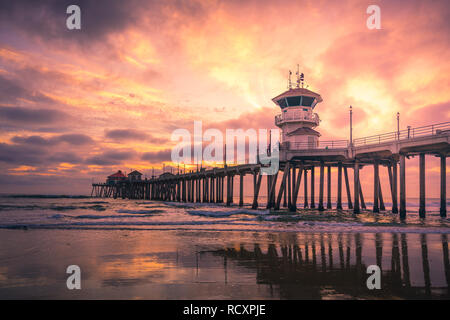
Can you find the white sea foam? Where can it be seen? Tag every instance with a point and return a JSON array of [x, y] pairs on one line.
[[209, 213], [139, 211], [226, 226]]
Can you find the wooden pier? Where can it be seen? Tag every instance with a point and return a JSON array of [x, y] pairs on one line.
[[389, 151]]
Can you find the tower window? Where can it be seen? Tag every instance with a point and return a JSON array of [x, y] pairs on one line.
[[307, 101], [282, 103], [305, 109], [293, 101]]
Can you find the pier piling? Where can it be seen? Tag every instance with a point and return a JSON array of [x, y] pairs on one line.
[[321, 181], [312, 204], [328, 187], [376, 187], [422, 185], [305, 191], [339, 187], [402, 187], [443, 207], [241, 190], [356, 188]]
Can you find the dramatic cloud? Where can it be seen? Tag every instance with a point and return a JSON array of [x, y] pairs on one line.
[[65, 157], [111, 157], [126, 134], [27, 155], [79, 104], [30, 116], [157, 156], [73, 139]]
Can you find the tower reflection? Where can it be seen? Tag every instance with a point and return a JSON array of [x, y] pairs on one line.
[[302, 266]]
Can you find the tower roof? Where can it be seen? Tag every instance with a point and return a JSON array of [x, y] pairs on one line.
[[304, 131], [298, 92], [135, 173]]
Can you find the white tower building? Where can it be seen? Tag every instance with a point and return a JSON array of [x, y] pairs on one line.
[[297, 119]]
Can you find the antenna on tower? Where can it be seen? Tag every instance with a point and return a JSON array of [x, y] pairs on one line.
[[302, 79], [290, 82], [298, 76]]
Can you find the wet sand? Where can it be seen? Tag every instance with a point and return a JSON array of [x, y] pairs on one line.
[[179, 264]]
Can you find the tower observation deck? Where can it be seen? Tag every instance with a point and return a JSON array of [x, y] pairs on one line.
[[297, 119]]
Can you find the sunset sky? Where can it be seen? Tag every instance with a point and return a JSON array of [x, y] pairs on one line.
[[77, 105]]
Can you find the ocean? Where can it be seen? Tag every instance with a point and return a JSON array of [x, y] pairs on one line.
[[140, 249]]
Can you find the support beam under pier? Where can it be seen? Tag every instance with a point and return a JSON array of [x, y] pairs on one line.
[[257, 178], [347, 188], [296, 187]]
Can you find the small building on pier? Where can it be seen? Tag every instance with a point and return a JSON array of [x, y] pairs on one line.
[[116, 177], [135, 176], [166, 175]]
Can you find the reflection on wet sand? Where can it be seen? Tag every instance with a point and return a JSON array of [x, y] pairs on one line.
[[295, 269], [222, 265]]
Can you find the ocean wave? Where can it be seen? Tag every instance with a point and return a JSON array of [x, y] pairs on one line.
[[121, 223], [193, 204], [95, 202], [96, 207], [57, 216], [45, 196], [217, 226], [208, 213], [91, 216], [140, 211]]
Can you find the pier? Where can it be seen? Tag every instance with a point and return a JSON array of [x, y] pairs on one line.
[[302, 154], [389, 151]]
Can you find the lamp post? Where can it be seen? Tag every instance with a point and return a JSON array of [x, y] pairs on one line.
[[351, 126], [398, 125]]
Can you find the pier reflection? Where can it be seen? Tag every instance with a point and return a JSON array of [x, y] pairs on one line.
[[317, 266]]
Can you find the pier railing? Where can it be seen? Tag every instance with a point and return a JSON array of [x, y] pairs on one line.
[[296, 116], [409, 133], [332, 144]]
